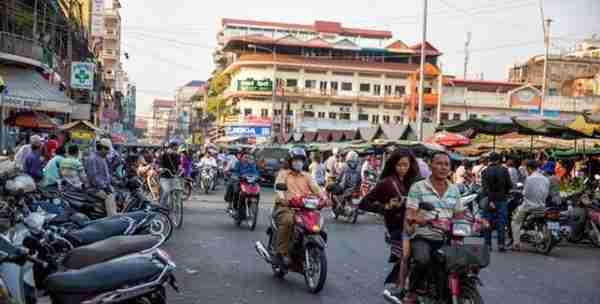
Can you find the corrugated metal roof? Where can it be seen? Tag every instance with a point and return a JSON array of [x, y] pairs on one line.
[[30, 84]]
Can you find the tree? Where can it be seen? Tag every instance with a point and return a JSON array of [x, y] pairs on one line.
[[216, 104]]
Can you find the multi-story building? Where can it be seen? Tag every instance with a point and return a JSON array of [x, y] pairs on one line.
[[323, 72], [463, 99], [163, 113], [565, 72], [183, 105]]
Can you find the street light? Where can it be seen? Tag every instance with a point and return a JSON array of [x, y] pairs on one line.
[[272, 51]]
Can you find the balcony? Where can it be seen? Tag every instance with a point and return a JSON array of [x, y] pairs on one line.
[[110, 54], [21, 49], [324, 95], [111, 35]]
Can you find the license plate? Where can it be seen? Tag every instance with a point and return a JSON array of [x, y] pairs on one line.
[[554, 226]]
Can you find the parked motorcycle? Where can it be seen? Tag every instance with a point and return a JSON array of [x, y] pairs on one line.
[[581, 221], [246, 208], [454, 274], [541, 228], [307, 248]]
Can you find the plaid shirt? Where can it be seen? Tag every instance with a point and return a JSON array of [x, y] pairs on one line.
[[446, 205]]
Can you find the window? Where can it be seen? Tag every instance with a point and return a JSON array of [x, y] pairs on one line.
[[344, 116], [291, 83], [264, 113], [277, 112], [377, 90], [365, 87], [445, 116], [309, 114], [334, 87], [427, 91], [456, 116], [387, 90], [247, 111], [346, 86], [363, 117], [290, 112], [386, 119], [310, 84], [399, 90], [321, 114], [323, 87], [397, 119], [472, 116], [332, 115], [552, 91], [375, 119]]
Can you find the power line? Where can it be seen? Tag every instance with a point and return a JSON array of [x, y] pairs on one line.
[[206, 46]]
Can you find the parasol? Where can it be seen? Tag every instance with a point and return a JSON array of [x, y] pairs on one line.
[[448, 139]]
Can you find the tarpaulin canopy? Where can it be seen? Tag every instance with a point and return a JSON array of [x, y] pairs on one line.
[[496, 125], [557, 128], [32, 120]]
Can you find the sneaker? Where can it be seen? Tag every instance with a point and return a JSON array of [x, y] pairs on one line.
[[392, 296]]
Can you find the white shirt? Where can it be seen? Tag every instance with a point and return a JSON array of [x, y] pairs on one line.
[[208, 162], [459, 175], [330, 166], [423, 168], [22, 155], [477, 170]]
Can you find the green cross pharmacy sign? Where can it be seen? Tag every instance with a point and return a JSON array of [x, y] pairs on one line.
[[82, 75]]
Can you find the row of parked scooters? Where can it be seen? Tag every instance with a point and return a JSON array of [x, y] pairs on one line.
[[59, 243], [575, 220]]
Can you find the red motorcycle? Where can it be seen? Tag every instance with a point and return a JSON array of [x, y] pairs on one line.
[[245, 209], [453, 276], [307, 248]]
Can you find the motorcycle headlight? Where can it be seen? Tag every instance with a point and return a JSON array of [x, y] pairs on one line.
[[462, 229]]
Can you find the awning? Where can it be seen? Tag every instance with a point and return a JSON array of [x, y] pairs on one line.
[[32, 120], [27, 89]]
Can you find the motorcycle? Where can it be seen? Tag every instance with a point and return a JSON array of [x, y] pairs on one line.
[[207, 179], [139, 278], [581, 221], [246, 208], [346, 205], [368, 183], [453, 276], [307, 247], [541, 228]]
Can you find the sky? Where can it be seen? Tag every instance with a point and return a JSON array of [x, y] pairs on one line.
[[171, 42]]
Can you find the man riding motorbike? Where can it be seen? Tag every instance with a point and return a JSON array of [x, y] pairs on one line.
[[208, 159], [244, 166], [99, 176], [298, 183], [349, 179], [169, 168], [331, 165]]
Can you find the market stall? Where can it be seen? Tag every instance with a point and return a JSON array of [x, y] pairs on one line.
[[81, 133]]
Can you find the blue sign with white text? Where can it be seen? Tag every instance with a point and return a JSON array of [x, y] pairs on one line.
[[249, 131]]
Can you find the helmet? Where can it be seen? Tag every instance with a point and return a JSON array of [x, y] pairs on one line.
[[351, 156], [336, 151], [173, 143], [297, 153]]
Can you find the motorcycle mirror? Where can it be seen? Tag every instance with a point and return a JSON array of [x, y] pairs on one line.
[[281, 187], [426, 206]]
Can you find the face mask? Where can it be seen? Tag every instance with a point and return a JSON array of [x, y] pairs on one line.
[[297, 165]]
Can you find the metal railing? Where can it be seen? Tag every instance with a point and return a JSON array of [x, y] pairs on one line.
[[21, 46]]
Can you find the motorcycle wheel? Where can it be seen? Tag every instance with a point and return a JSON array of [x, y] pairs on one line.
[[315, 274], [470, 295], [176, 208], [547, 243], [162, 225], [594, 234], [253, 214]]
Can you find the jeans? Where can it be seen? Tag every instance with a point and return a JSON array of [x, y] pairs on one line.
[[166, 186], [109, 201], [500, 218]]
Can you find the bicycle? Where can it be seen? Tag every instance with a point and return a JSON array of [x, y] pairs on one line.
[[175, 199]]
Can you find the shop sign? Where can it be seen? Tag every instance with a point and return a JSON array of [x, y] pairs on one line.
[[253, 85], [19, 102], [82, 75], [82, 134], [249, 131], [257, 120], [97, 18]]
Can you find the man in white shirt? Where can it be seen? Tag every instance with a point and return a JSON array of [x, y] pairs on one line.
[[331, 165], [478, 169]]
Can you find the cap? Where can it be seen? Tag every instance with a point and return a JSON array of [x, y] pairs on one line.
[[106, 143], [35, 139]]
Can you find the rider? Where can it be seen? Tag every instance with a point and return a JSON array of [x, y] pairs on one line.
[[370, 166], [438, 191], [331, 166], [298, 183], [169, 168], [350, 178], [185, 160], [208, 159], [244, 167]]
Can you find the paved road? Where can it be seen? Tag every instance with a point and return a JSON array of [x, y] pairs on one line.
[[217, 264]]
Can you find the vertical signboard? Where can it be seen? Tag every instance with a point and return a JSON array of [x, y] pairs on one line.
[[97, 18], [82, 75]]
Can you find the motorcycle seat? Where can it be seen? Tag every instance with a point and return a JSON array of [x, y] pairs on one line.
[[137, 216], [98, 231], [104, 276], [108, 249]]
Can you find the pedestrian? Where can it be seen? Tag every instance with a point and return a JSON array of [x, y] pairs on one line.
[[51, 146], [33, 162], [496, 184], [24, 150], [317, 169], [71, 169], [535, 194], [99, 176], [512, 171], [478, 169], [388, 198], [52, 169], [523, 171], [459, 175]]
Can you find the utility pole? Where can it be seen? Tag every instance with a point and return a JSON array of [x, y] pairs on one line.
[[422, 74], [467, 43], [439, 101], [546, 28]]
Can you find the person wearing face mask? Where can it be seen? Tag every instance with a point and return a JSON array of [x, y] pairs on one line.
[[299, 183], [350, 179]]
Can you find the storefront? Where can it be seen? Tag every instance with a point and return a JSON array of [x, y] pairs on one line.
[[81, 133]]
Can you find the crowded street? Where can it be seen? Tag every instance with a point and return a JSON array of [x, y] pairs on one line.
[[217, 264]]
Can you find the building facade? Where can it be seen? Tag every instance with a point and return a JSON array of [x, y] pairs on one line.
[[183, 107], [285, 73], [572, 74], [163, 114]]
